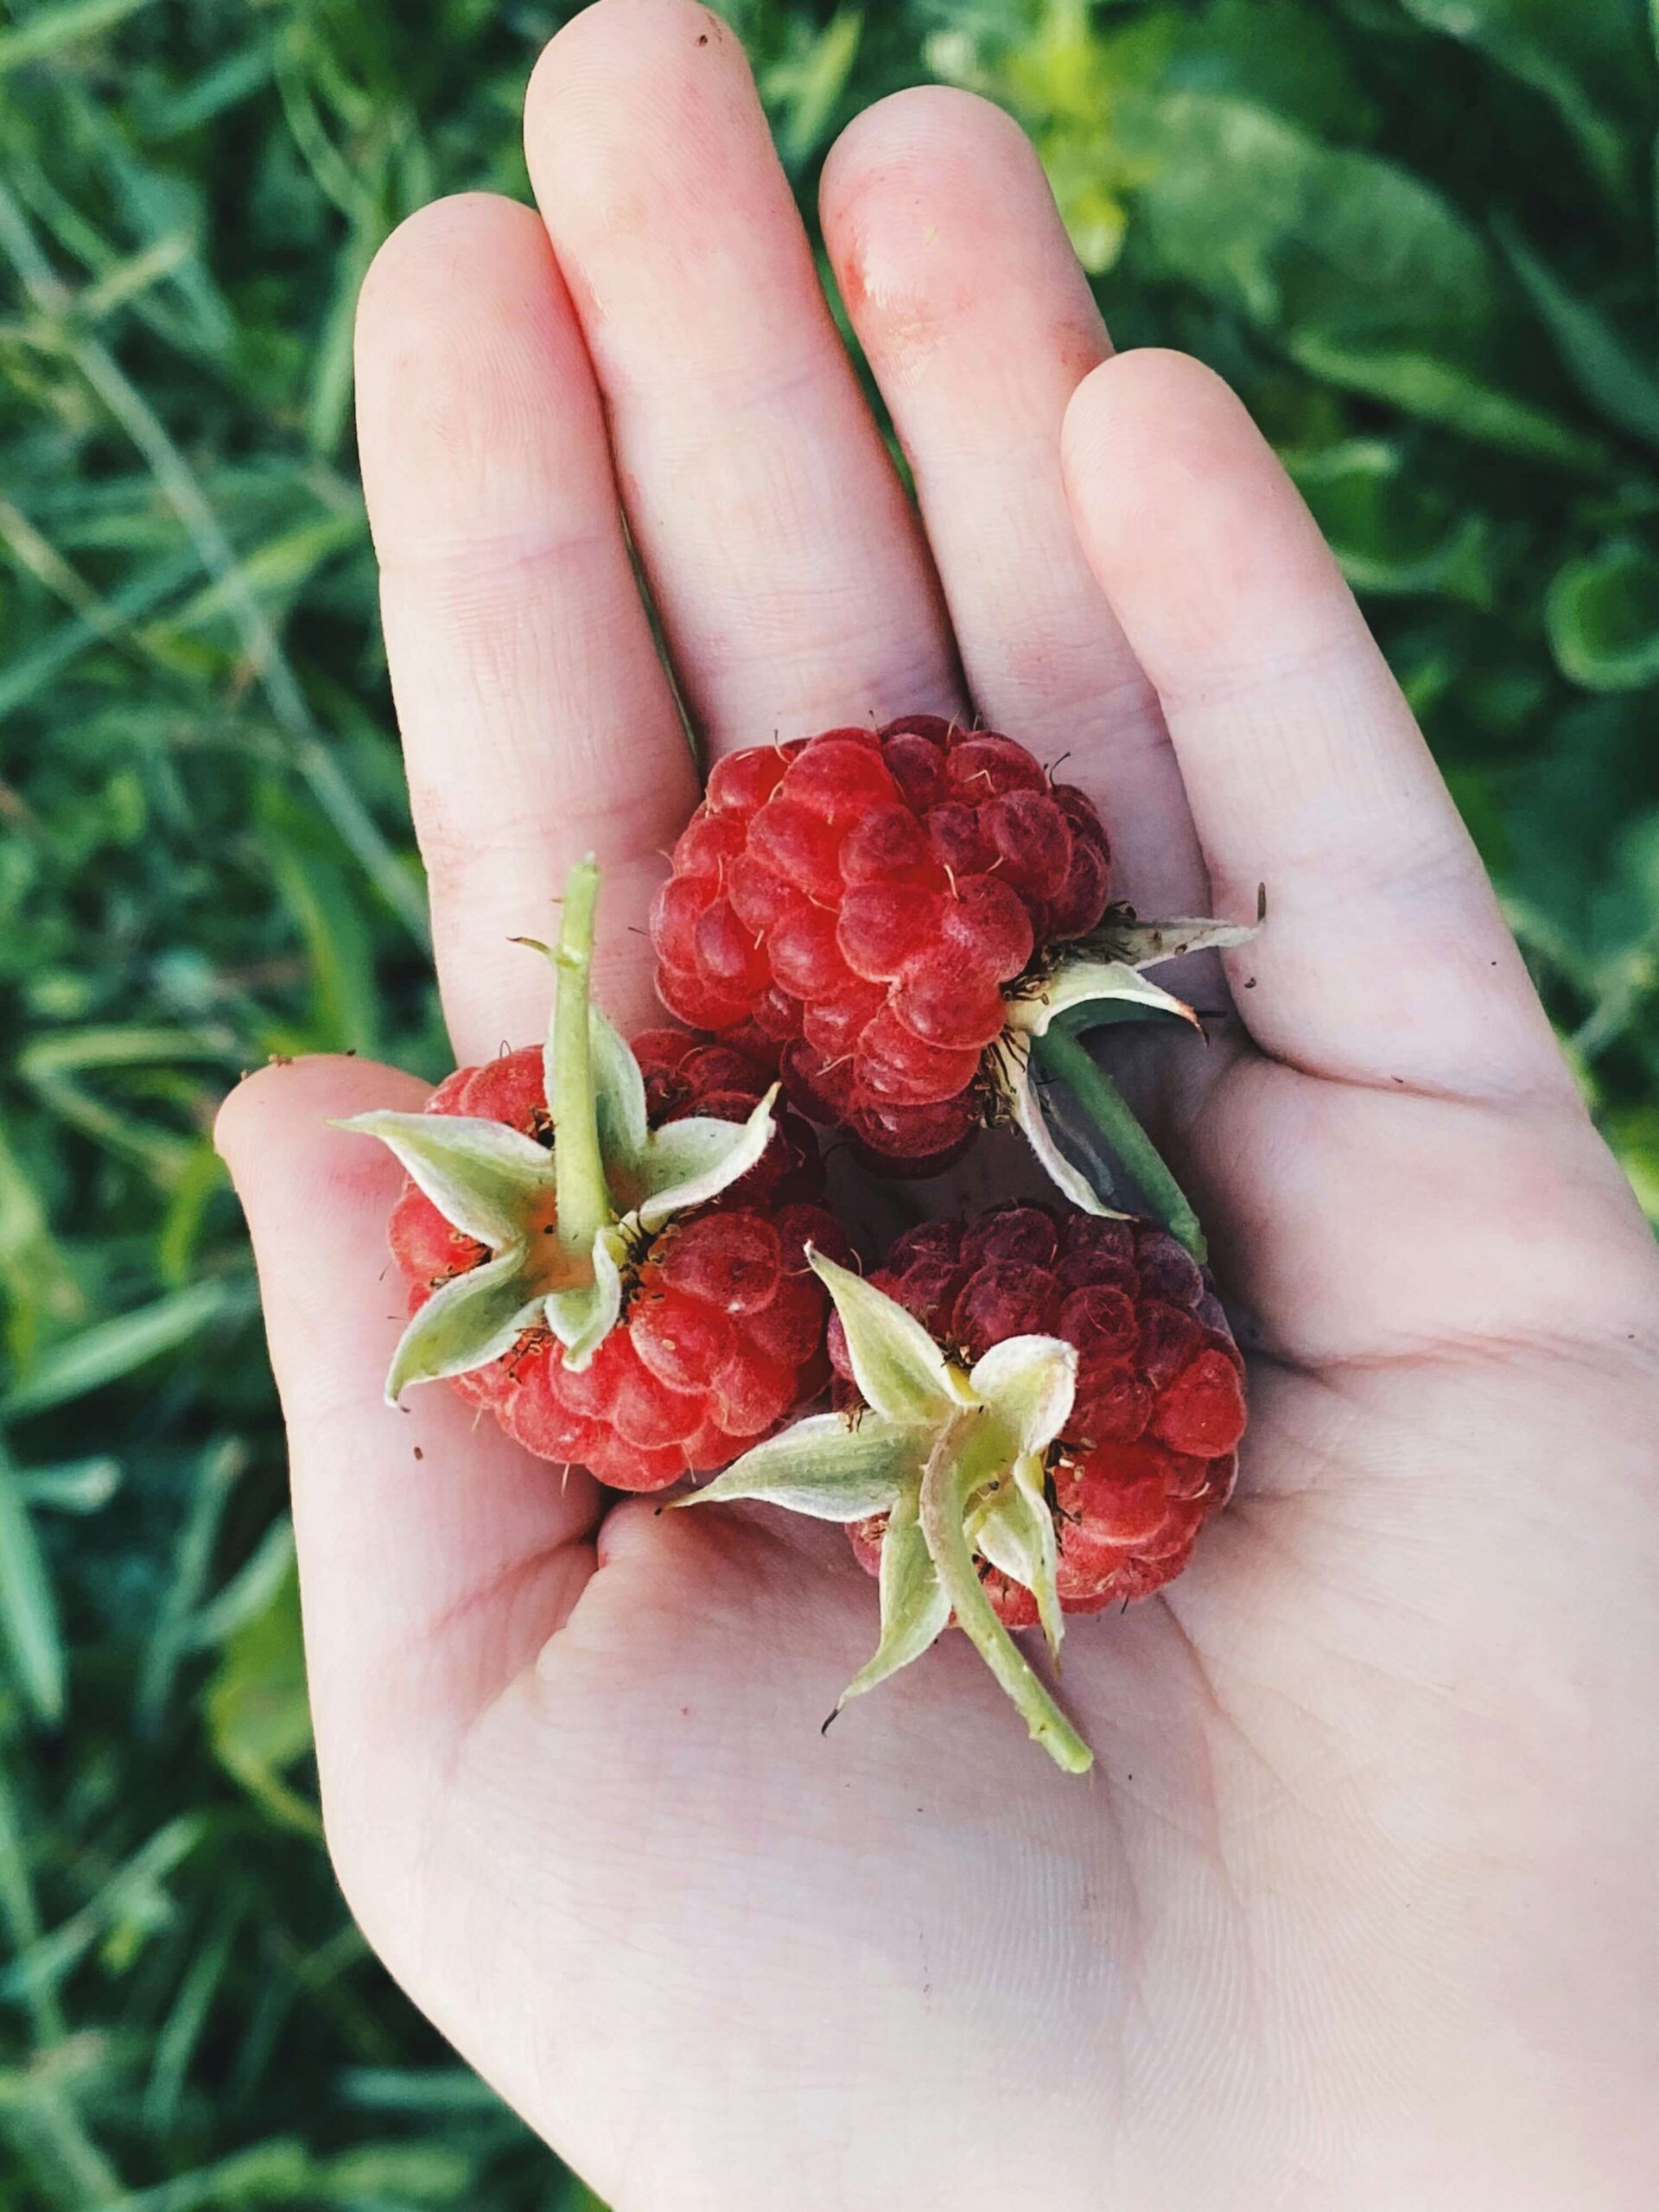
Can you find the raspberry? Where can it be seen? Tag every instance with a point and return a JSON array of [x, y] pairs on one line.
[[621, 1292], [1049, 1439], [721, 1334], [863, 902], [1147, 1453]]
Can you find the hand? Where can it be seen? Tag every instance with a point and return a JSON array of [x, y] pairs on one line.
[[1356, 1910]]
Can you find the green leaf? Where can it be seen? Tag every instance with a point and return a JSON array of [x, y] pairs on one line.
[[474, 1318], [70, 1485], [841, 1467], [30, 1627], [914, 1608], [1447, 392], [1029, 1383], [258, 1715], [688, 1162], [1612, 376], [809, 89], [1356, 268], [50, 30], [485, 1178], [1587, 57], [1602, 616], [902, 1373], [112, 1349], [1392, 528]]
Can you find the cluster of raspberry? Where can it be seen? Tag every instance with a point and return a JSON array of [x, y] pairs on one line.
[[622, 1249]]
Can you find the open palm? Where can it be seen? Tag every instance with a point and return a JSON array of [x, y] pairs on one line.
[[1356, 1907]]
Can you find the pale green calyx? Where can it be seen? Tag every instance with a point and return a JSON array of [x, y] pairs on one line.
[[1099, 983], [956, 1459], [561, 1219]]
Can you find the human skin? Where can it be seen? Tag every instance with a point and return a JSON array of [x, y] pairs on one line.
[[1355, 1908]]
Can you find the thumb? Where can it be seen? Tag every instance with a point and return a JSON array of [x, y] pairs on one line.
[[435, 1556]]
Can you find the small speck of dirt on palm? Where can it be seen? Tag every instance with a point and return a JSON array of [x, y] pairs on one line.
[[419, 1454]]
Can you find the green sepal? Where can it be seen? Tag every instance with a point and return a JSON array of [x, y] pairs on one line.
[[830, 1466], [1101, 981], [1099, 989], [1143, 944], [1023, 1095], [1030, 1384], [1016, 1531], [957, 1461], [619, 1095], [582, 1317], [914, 1608], [686, 1163], [484, 1178], [902, 1373], [474, 1318], [968, 1454]]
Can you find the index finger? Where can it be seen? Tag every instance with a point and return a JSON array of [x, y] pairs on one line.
[[536, 720]]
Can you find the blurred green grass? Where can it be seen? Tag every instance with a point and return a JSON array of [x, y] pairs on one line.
[[1419, 235]]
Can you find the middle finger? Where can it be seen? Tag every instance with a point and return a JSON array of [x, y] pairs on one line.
[[979, 325], [786, 562]]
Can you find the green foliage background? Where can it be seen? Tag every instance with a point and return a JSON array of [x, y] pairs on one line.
[[1419, 235]]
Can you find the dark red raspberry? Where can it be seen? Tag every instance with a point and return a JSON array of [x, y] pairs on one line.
[[1149, 1451], [858, 903], [721, 1335]]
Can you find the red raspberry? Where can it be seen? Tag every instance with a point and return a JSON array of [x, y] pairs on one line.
[[721, 1334], [858, 904], [1149, 1453]]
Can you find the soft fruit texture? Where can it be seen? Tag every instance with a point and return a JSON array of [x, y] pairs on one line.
[[1149, 1450], [722, 1333], [856, 904]]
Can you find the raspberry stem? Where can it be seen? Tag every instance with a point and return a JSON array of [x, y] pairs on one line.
[[1062, 1055], [583, 1196], [972, 1451]]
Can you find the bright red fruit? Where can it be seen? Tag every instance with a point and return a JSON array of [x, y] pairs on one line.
[[857, 905], [1148, 1451], [721, 1333]]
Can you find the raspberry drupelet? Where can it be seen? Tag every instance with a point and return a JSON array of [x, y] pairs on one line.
[[606, 1246], [860, 904]]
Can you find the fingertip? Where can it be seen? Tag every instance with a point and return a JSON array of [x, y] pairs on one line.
[[1126, 404], [284, 1119], [918, 126], [939, 220], [1192, 526], [605, 85], [454, 235]]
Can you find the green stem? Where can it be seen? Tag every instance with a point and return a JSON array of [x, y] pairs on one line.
[[970, 1452], [583, 1196], [1061, 1055]]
